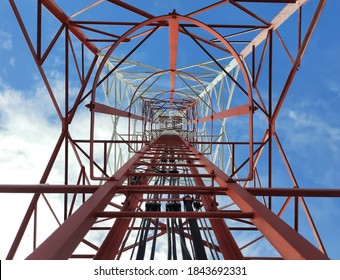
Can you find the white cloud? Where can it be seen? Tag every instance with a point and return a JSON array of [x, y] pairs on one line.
[[29, 130], [334, 86], [313, 126], [26, 136], [311, 140], [12, 61], [293, 115], [5, 40], [26, 141]]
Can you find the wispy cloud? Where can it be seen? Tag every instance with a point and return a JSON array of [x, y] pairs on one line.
[[26, 136], [334, 87], [5, 40], [29, 129], [310, 135], [26, 139], [313, 128], [12, 61]]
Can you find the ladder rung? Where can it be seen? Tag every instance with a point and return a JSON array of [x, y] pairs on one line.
[[167, 153], [145, 189], [176, 214], [171, 158], [170, 164], [155, 174]]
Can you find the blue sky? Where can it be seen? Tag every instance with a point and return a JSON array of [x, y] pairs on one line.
[[308, 126]]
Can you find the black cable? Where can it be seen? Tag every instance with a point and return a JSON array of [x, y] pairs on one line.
[[212, 241], [174, 248], [141, 247], [206, 238], [195, 233], [185, 252], [134, 245], [145, 230], [153, 248], [168, 229]]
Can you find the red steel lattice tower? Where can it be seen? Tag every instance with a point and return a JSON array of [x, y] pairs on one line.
[[175, 159]]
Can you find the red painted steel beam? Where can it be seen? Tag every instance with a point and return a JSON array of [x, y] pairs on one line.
[[174, 153], [171, 158], [206, 191], [267, 1], [173, 41], [233, 112], [223, 143], [188, 215], [186, 175], [275, 192], [105, 109], [104, 141], [294, 192], [148, 189], [47, 189], [170, 164]]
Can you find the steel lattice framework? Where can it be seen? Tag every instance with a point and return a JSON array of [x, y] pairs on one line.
[[177, 158]]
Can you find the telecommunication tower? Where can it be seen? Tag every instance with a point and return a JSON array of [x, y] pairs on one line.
[[177, 112]]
